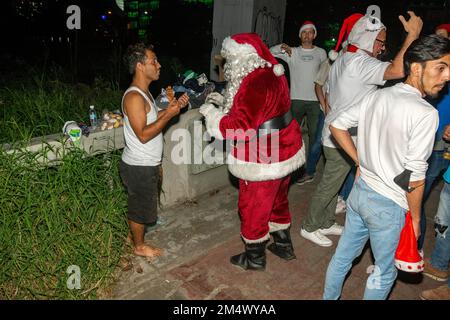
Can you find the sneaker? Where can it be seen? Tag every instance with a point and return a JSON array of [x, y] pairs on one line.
[[317, 237], [334, 230], [433, 273], [305, 179], [341, 206], [440, 293]]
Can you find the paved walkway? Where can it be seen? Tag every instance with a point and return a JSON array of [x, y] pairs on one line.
[[200, 236]]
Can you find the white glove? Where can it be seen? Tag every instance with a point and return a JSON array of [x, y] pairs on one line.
[[215, 98], [213, 116], [206, 108]]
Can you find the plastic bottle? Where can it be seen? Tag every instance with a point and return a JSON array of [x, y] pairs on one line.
[[93, 117]]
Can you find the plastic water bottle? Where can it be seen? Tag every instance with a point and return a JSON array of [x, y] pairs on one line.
[[93, 117]]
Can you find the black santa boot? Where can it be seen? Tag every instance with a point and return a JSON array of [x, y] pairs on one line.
[[282, 244], [254, 257]]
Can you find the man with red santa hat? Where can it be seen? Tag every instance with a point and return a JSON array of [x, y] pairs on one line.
[[254, 114]]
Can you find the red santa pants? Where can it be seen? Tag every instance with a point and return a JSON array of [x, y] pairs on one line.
[[263, 203]]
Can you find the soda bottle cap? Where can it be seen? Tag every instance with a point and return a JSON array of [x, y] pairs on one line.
[[92, 107]]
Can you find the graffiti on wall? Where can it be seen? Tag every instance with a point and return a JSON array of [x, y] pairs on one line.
[[269, 26]]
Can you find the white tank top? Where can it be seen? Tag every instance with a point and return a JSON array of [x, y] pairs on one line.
[[135, 152]]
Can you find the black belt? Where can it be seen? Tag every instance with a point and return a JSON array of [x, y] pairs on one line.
[[276, 123]]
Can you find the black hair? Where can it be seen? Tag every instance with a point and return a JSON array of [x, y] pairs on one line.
[[426, 48], [136, 53]]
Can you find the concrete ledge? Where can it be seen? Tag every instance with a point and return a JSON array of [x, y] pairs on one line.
[[181, 182]]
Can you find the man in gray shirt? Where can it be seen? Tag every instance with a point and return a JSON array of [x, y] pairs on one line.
[[304, 63]]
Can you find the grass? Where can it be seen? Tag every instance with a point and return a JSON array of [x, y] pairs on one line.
[[52, 218], [42, 106]]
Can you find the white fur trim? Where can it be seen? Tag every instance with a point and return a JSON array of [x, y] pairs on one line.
[[252, 171], [413, 267], [278, 226], [212, 117], [332, 55], [260, 240], [229, 45], [278, 69]]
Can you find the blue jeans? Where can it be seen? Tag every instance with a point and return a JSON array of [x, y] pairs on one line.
[[436, 164], [369, 215], [316, 148], [441, 252]]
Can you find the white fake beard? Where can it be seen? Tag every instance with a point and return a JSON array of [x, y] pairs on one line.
[[235, 70]]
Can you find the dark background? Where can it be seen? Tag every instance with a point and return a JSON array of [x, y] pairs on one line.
[[34, 37]]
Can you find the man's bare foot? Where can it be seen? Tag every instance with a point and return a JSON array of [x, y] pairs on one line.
[[147, 251]]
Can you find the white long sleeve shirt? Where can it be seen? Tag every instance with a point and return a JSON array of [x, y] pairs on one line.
[[396, 129], [303, 67]]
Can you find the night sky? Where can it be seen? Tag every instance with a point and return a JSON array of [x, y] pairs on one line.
[[182, 33]]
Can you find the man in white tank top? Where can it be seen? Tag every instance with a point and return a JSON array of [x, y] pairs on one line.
[[141, 158]]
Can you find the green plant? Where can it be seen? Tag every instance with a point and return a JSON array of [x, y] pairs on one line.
[[52, 218], [43, 107]]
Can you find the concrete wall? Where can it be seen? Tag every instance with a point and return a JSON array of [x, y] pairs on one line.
[[265, 17], [181, 182]]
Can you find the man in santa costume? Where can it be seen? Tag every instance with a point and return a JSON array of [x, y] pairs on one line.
[[254, 114]]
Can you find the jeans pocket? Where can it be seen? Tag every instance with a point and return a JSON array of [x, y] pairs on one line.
[[384, 212]]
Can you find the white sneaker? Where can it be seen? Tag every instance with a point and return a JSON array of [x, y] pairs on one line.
[[334, 230], [317, 237], [341, 206]]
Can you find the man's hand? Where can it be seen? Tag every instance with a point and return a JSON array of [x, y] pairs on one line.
[[183, 101], [413, 26], [286, 48], [446, 134], [174, 108]]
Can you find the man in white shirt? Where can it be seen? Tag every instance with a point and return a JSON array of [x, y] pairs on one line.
[[396, 129], [354, 74], [304, 63], [141, 158]]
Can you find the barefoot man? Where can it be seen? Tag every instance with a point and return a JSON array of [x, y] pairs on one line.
[[141, 158]]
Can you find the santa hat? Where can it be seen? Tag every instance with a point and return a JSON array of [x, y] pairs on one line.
[[407, 257], [364, 32], [360, 32], [244, 44], [445, 26], [346, 28], [307, 24]]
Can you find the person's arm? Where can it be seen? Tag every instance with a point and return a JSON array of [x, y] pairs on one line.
[[339, 129], [414, 199], [420, 146], [446, 134], [345, 140], [282, 51], [319, 93], [134, 106], [413, 27]]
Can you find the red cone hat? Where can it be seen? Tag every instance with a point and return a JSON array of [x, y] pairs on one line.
[[346, 28], [407, 256]]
